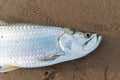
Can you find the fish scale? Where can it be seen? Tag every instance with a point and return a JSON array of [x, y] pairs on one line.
[[29, 41]]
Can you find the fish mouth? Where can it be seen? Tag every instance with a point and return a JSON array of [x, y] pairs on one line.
[[98, 38], [93, 43]]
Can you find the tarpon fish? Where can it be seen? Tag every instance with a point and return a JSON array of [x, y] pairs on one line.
[[31, 46]]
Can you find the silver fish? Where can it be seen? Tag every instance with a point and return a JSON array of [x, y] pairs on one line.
[[31, 46]]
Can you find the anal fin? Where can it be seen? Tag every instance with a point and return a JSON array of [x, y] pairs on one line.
[[7, 68]]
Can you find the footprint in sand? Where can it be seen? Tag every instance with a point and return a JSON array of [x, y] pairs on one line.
[[50, 75]]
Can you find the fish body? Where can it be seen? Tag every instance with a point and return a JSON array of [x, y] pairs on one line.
[[31, 46]]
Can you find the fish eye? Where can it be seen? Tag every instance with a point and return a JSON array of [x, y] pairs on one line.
[[88, 35]]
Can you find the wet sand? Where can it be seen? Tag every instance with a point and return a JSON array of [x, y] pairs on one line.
[[101, 16]]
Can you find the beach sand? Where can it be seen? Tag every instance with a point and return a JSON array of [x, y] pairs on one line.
[[101, 16]]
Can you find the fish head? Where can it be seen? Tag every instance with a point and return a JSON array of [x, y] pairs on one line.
[[79, 44]]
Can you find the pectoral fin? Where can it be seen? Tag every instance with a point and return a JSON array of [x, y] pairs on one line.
[[48, 58], [8, 68]]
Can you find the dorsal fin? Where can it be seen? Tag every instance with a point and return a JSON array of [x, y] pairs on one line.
[[2, 23]]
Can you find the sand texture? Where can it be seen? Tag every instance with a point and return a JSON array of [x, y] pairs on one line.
[[101, 16]]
